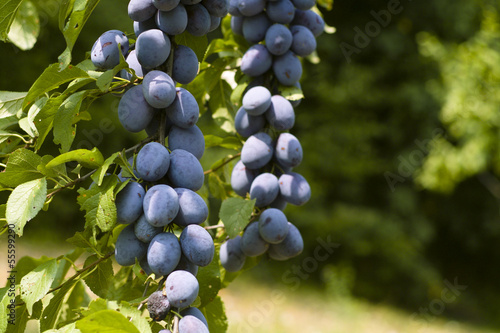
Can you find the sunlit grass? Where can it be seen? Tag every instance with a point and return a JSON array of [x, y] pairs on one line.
[[254, 307]]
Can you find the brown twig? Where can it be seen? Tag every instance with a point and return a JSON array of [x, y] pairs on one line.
[[223, 164]]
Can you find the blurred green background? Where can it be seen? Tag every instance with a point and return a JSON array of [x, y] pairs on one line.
[[400, 129]]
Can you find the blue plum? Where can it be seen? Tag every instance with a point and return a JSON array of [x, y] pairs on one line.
[[134, 64], [197, 245], [128, 247], [173, 22], [158, 89], [164, 253], [152, 161], [152, 48], [304, 42], [255, 27], [185, 170], [257, 151], [182, 289], [280, 115], [129, 203], [161, 205], [166, 5], [291, 246], [294, 188], [186, 265], [192, 208], [134, 112], [256, 61], [144, 231], [278, 39], [280, 11], [257, 100], [273, 225], [185, 66], [242, 178], [198, 20], [191, 324], [287, 68], [140, 27], [247, 125], [217, 8], [252, 243], [189, 139], [309, 19], [288, 150], [106, 50], [251, 7], [141, 10], [264, 189], [196, 313], [184, 111], [231, 256]]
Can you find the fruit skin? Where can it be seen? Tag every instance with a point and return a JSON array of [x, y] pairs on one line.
[[184, 111], [196, 313], [165, 5], [291, 246], [192, 208], [242, 178], [265, 189], [182, 289], [129, 203], [158, 306], [280, 115], [191, 324], [105, 52], [134, 112], [217, 8], [251, 7], [140, 27], [247, 125], [252, 243], [287, 69], [186, 265], [257, 100], [185, 66], [257, 151], [304, 42], [237, 24], [280, 11], [288, 150], [198, 20], [141, 10], [279, 39], [294, 188], [310, 20], [128, 247], [255, 27], [161, 205], [185, 170], [273, 226], [144, 231], [134, 64], [190, 139], [257, 59], [152, 162], [197, 245], [173, 22], [158, 89], [164, 253], [231, 256], [152, 48]]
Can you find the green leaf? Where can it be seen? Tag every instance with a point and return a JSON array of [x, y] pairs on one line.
[[27, 264], [11, 103], [98, 280], [5, 299], [25, 202], [52, 312], [106, 321], [36, 284], [229, 142], [92, 159], [105, 80], [70, 328], [51, 79], [21, 320], [223, 110], [235, 213], [8, 10], [44, 118], [215, 314], [98, 202], [197, 44], [21, 168], [54, 172], [98, 176], [78, 12], [64, 124], [5, 135], [85, 240], [25, 27], [291, 93], [210, 281]]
